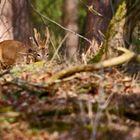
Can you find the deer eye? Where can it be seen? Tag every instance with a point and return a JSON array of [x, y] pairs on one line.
[[47, 54], [38, 56]]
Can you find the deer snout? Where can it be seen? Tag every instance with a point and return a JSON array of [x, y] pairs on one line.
[[42, 57]]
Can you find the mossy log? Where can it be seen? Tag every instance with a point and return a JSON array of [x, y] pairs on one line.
[[125, 57]]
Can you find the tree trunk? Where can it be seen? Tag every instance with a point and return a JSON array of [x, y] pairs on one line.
[[98, 18], [120, 29], [70, 21], [132, 20], [15, 20], [122, 25]]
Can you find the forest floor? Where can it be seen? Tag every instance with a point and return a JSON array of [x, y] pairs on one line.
[[99, 105]]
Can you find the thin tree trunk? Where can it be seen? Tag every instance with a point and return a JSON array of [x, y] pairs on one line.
[[15, 20], [70, 21]]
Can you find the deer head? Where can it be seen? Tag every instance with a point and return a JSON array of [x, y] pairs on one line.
[[41, 45], [15, 52]]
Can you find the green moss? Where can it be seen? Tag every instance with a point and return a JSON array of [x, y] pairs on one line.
[[27, 68], [116, 23]]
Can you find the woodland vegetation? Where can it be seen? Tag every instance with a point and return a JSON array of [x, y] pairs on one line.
[[69, 70]]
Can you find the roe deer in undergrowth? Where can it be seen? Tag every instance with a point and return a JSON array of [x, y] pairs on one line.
[[13, 52]]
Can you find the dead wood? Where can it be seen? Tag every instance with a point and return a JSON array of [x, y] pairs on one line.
[[125, 57]]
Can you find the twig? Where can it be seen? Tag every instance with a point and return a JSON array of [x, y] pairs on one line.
[[4, 73], [60, 45], [59, 25], [27, 86]]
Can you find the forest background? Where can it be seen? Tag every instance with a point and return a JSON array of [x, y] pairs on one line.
[[89, 87]]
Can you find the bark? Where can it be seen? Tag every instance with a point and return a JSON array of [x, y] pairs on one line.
[[15, 20], [97, 23], [122, 25], [132, 20], [70, 21], [120, 29]]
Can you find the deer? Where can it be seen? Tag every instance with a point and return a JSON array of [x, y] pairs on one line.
[[15, 52]]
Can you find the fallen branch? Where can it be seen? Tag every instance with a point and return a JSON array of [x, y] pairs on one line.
[[125, 57], [4, 73]]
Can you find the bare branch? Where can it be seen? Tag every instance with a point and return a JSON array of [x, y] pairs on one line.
[[127, 56], [62, 27]]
